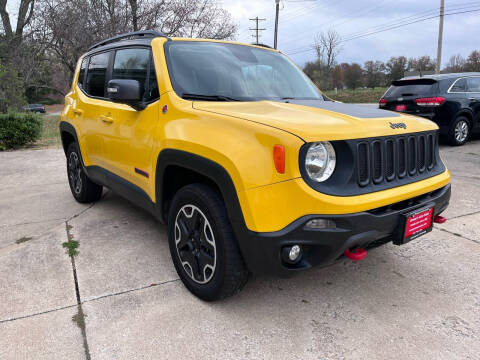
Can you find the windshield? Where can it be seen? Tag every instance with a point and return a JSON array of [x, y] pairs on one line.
[[228, 72]]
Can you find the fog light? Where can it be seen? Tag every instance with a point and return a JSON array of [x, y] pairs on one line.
[[321, 224], [294, 253]]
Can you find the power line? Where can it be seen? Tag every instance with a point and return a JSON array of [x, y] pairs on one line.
[[369, 32], [420, 15], [416, 16], [256, 28], [356, 12]]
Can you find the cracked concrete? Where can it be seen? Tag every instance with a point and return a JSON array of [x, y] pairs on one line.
[[120, 297]]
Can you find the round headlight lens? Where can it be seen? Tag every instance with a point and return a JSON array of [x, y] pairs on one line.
[[320, 161]]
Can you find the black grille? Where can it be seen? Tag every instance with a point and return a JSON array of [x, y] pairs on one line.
[[389, 159], [384, 160], [363, 169]]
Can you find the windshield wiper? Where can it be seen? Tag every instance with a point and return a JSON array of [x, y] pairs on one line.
[[208, 97]]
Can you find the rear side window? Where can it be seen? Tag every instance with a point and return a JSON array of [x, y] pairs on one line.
[[97, 74], [81, 75], [405, 88], [473, 85], [135, 64], [459, 86]]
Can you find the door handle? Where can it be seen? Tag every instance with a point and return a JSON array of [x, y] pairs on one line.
[[473, 99], [106, 119], [78, 112]]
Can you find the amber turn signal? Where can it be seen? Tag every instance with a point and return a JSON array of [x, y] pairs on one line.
[[279, 158]]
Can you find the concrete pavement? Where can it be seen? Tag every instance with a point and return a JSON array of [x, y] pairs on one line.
[[120, 298]]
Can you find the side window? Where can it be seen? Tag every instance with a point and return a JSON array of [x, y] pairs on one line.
[[81, 75], [133, 64], [97, 74], [473, 84], [459, 86]]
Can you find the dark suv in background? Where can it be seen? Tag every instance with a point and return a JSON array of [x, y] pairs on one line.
[[450, 100]]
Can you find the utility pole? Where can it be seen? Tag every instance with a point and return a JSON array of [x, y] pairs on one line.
[[257, 29], [440, 37], [277, 8]]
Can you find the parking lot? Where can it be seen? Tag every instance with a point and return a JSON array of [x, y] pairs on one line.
[[120, 297]]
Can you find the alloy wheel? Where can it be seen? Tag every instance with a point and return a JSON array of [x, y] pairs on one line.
[[74, 172], [461, 131], [195, 243]]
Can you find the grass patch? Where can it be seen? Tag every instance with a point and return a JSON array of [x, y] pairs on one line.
[[50, 134], [358, 95], [71, 245]]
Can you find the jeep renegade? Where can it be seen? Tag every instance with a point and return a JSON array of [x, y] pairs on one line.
[[248, 164]]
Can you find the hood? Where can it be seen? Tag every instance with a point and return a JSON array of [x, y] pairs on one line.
[[314, 120]]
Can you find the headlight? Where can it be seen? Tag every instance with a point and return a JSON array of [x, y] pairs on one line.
[[320, 161]]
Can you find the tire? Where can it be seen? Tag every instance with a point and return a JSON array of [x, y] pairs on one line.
[[208, 262], [83, 189], [459, 132]]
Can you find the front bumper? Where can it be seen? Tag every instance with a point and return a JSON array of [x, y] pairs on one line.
[[262, 251]]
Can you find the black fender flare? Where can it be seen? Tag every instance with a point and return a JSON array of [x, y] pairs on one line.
[[67, 128], [205, 167], [218, 175]]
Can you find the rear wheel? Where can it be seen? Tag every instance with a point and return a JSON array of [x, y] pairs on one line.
[[459, 131], [202, 244], [83, 189]]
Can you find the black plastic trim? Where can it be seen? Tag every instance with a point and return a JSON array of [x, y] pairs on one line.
[[135, 34], [325, 246], [122, 187]]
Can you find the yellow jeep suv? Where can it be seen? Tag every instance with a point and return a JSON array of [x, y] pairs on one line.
[[248, 164]]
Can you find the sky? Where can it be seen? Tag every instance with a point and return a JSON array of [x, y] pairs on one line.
[[300, 20]]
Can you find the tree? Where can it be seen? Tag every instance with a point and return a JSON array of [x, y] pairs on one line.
[[98, 19], [11, 89], [473, 61], [353, 76], [396, 67], [374, 73], [421, 64], [337, 77], [327, 47], [455, 64], [25, 14]]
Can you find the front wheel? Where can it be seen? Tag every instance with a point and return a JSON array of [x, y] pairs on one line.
[[459, 131], [202, 244]]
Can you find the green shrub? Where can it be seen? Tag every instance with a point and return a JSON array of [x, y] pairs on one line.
[[17, 129]]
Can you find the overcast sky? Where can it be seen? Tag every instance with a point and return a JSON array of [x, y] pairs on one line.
[[300, 20]]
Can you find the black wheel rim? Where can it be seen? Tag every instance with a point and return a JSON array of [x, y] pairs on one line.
[[74, 173], [195, 244]]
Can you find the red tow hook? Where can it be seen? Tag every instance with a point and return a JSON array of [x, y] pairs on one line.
[[439, 219], [355, 254]]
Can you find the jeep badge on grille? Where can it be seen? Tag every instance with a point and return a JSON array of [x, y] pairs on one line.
[[399, 125]]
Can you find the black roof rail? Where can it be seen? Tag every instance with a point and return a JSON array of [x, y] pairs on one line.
[[138, 34]]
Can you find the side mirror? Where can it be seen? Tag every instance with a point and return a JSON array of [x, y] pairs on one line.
[[125, 92]]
